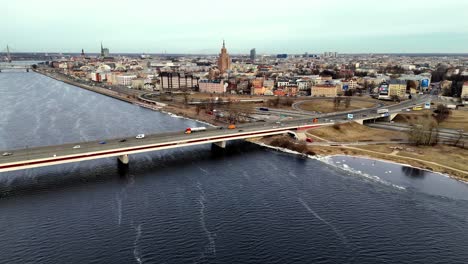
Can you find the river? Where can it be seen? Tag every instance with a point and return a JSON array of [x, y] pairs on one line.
[[191, 205]]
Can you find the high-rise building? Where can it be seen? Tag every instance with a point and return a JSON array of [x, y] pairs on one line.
[[224, 62], [253, 54]]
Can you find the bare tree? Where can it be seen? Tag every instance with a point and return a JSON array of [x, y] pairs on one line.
[[347, 102], [186, 98], [395, 98], [441, 113], [459, 138], [424, 132]]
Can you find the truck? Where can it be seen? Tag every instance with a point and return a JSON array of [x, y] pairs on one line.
[[382, 111], [263, 109], [232, 126], [452, 106], [190, 130]]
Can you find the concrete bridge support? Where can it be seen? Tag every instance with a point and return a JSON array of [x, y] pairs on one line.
[[124, 159], [220, 144], [298, 135], [359, 121]]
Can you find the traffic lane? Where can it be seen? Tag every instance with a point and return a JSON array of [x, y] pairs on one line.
[[59, 151]]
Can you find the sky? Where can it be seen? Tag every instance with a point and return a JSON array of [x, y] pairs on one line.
[[270, 26]]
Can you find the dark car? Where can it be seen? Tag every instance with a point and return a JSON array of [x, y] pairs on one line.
[[102, 142], [240, 130], [123, 140]]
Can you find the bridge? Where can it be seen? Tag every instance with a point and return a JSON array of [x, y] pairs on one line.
[[10, 66], [123, 147]]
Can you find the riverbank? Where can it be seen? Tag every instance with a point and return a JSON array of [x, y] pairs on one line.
[[382, 155]]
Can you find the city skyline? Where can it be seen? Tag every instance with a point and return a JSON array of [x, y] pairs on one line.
[[199, 28]]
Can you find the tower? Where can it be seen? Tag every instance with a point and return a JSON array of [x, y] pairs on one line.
[[224, 62], [8, 54], [82, 53], [104, 51], [253, 54]]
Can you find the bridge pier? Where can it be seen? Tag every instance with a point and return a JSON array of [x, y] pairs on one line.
[[359, 121], [220, 144], [123, 159]]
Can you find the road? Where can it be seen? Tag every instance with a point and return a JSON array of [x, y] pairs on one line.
[[449, 134]]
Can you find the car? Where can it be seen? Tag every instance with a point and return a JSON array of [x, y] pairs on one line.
[[123, 140], [7, 154], [76, 146], [220, 128], [140, 136], [240, 130], [102, 142], [310, 140], [278, 122]]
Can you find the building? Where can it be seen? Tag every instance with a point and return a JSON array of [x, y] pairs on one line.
[[325, 90], [397, 88], [224, 62], [177, 80], [464, 93], [104, 51], [212, 86], [253, 54], [125, 80]]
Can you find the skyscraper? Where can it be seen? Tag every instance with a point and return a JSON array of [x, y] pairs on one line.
[[253, 54], [224, 62]]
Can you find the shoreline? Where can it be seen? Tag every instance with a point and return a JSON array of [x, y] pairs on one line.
[[167, 110], [321, 157]]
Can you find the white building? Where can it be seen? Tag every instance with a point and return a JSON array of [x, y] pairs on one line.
[[125, 80]]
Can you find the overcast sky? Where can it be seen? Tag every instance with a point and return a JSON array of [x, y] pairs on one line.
[[270, 26]]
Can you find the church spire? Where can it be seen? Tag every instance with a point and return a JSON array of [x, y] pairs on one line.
[[223, 45]]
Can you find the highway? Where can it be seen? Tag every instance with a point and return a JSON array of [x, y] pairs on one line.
[[51, 155]]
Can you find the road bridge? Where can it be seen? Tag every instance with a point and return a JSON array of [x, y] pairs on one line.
[[9, 66], [123, 147]]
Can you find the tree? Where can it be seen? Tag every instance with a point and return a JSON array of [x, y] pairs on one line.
[[395, 98], [274, 102], [459, 139], [423, 132], [441, 113], [347, 102], [186, 98], [337, 102]]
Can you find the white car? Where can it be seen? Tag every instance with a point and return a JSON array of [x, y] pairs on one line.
[[76, 146], [7, 154], [140, 136]]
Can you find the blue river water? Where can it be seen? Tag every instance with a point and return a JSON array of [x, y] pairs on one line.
[[193, 205]]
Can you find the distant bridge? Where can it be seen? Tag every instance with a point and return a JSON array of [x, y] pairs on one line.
[[10, 66]]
